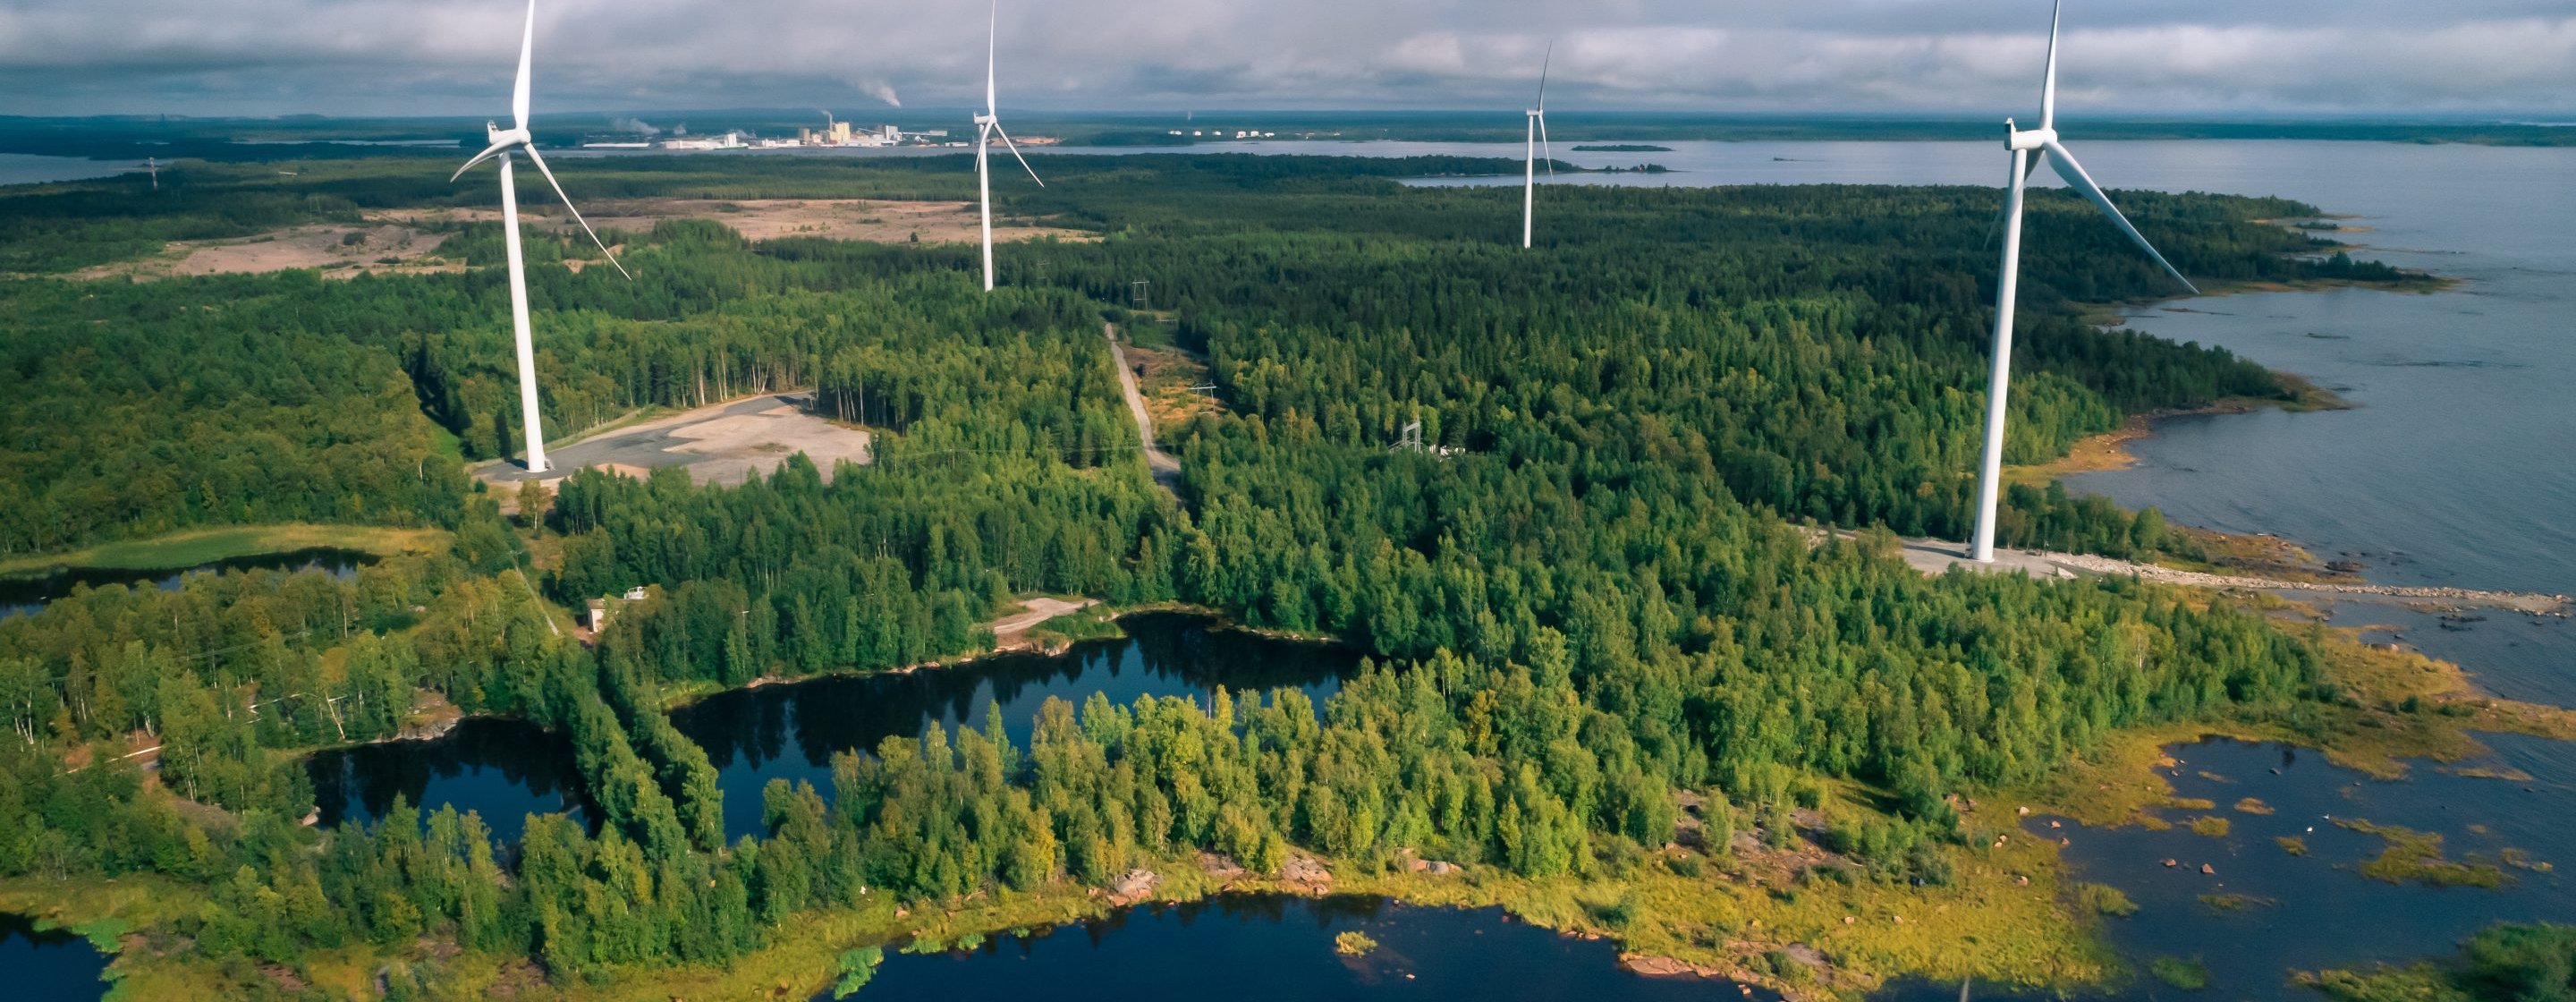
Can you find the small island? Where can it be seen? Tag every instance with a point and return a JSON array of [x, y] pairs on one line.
[[1624, 148]]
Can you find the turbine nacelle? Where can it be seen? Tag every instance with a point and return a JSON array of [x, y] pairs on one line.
[[987, 119], [2025, 140]]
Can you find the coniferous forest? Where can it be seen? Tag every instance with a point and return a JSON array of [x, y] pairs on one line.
[[1593, 607]]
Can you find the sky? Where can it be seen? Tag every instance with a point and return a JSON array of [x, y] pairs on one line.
[[2193, 58]]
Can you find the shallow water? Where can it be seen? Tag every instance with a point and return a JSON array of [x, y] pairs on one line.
[[1266, 948], [25, 595], [50, 966]]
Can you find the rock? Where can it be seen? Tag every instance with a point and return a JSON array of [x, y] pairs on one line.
[[2022, 880], [2053, 824], [1442, 868], [2208, 871], [1220, 866], [1135, 884], [1305, 870], [1417, 866], [2023, 810], [1847, 920], [2170, 864]]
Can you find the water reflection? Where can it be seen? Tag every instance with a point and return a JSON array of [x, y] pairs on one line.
[[1261, 948], [503, 769], [51, 965], [792, 731], [26, 595]]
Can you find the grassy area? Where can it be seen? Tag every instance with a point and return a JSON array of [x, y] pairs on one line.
[[2187, 974], [204, 546], [2416, 856]]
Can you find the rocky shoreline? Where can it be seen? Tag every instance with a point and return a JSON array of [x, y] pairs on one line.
[[2521, 601]]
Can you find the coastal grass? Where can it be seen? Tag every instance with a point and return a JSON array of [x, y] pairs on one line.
[[2416, 857], [2188, 974], [205, 546]]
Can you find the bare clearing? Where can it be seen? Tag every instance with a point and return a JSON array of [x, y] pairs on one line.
[[874, 220], [721, 444], [339, 251]]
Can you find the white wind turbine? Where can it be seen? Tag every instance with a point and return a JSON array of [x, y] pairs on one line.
[[516, 139], [1537, 139], [988, 125], [2022, 144]]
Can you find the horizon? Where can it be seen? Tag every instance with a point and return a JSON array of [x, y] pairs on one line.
[[2193, 59]]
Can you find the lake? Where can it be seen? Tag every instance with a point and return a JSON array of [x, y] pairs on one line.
[[1272, 948], [507, 769], [503, 769], [50, 965], [24, 595], [792, 731], [30, 168]]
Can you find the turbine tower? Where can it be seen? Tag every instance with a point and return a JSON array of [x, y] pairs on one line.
[[1537, 139], [988, 125], [516, 139], [2021, 144]]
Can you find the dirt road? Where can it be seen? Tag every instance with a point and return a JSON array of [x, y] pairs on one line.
[[1166, 467]]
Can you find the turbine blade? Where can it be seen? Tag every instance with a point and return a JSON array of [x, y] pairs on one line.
[[1543, 64], [2064, 162], [488, 153], [1015, 153], [1544, 148], [2048, 84], [527, 50], [576, 213], [992, 32]]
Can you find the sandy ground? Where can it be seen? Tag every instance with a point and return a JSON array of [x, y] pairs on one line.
[[1007, 630], [722, 444], [877, 220], [380, 247]]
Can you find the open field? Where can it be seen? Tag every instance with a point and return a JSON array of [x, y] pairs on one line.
[[876, 220], [204, 546], [339, 251], [721, 444]]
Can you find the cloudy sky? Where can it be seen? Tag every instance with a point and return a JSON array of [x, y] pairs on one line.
[[2202, 57]]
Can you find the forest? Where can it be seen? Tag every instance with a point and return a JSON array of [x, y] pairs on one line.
[[1596, 598]]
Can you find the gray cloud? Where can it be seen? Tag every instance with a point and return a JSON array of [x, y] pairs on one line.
[[1952, 56]]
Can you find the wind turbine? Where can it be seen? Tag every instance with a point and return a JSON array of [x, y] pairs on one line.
[[2021, 144], [1537, 139], [516, 139], [987, 125], [153, 164]]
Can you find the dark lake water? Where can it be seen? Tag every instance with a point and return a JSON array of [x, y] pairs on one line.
[[1248, 948], [502, 769], [792, 731], [21, 595], [51, 966], [506, 769]]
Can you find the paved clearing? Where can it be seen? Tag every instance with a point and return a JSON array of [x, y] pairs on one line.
[[720, 444]]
